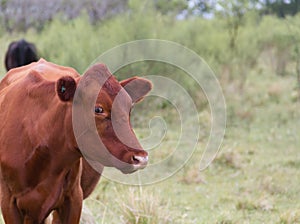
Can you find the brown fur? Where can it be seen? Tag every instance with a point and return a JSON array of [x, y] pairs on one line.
[[42, 169]]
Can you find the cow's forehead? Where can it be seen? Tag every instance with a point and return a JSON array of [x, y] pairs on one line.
[[114, 91], [111, 86]]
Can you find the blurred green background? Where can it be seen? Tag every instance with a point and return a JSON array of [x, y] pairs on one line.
[[254, 49]]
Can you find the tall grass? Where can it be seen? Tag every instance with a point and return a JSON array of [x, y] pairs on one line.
[[140, 206], [128, 204]]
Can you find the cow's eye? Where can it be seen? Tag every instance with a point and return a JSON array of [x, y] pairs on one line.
[[99, 110]]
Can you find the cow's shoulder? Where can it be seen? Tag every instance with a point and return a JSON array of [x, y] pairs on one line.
[[47, 70], [53, 72]]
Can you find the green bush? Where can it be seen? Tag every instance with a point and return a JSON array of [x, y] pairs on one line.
[[77, 42]]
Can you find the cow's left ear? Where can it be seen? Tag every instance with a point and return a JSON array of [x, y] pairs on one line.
[[137, 88], [65, 88]]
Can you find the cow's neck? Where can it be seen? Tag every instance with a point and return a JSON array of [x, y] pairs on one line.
[[56, 124]]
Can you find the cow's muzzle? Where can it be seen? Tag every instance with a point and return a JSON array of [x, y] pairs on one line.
[[140, 161], [137, 163]]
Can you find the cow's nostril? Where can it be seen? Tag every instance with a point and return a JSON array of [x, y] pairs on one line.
[[141, 160]]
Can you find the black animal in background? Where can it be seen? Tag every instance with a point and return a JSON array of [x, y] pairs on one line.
[[20, 53]]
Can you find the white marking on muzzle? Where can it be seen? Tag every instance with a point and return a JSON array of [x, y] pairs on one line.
[[142, 160]]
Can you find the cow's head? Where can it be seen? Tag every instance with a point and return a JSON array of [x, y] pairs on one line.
[[101, 117]]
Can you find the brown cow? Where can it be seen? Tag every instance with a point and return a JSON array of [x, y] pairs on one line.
[[20, 53], [41, 163]]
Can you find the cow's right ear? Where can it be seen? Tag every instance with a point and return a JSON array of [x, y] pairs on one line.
[[65, 88]]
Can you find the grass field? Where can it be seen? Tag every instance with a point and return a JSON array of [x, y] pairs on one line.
[[254, 179]]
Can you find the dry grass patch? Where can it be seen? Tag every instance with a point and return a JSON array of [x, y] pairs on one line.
[[140, 206], [290, 217]]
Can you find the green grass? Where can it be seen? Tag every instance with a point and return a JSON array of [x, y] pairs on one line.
[[254, 179]]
